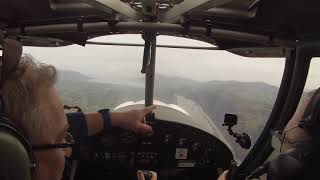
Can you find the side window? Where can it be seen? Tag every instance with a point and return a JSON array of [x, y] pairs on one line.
[[313, 80]]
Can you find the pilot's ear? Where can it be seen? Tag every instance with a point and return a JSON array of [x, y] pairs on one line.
[[12, 51]]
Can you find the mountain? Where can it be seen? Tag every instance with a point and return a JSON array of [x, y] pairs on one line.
[[251, 101], [77, 89]]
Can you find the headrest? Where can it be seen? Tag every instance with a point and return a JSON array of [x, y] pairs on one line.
[[16, 162], [12, 51]]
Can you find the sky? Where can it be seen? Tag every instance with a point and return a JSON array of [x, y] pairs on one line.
[[123, 64]]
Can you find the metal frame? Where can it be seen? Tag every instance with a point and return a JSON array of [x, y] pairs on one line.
[[73, 7], [158, 46], [162, 28], [228, 13], [150, 63], [150, 14], [303, 60], [116, 5], [174, 14]]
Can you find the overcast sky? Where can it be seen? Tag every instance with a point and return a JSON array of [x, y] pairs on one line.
[[123, 64]]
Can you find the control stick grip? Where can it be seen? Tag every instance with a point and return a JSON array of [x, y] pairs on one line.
[[144, 175], [147, 175]]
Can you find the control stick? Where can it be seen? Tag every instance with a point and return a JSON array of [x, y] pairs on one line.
[[147, 175], [144, 174]]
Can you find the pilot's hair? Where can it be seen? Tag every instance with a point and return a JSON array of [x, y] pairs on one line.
[[20, 95]]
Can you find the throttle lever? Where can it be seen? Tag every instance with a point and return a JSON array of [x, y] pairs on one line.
[[232, 171]]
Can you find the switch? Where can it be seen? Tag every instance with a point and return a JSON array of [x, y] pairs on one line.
[[182, 142]]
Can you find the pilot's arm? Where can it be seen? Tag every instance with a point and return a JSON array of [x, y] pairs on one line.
[[82, 125], [131, 120]]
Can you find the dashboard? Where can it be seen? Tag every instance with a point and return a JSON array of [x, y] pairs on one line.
[[175, 151]]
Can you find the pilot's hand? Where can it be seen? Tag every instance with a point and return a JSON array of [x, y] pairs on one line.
[[133, 120], [223, 176], [140, 175]]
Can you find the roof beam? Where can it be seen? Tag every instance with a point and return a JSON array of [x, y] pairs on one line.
[[67, 7], [228, 13], [175, 13], [160, 46], [116, 5]]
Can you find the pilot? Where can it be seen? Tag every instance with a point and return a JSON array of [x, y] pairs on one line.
[[292, 131], [30, 99]]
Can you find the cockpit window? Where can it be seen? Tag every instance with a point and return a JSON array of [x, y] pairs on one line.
[[206, 84], [313, 79]]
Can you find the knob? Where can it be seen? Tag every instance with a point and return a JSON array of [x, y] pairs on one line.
[[195, 146]]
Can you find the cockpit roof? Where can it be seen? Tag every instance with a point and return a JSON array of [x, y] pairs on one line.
[[278, 23]]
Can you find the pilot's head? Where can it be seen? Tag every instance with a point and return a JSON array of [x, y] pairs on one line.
[[300, 144], [294, 133], [31, 101]]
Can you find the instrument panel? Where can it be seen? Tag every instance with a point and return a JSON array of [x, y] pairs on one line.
[[174, 151]]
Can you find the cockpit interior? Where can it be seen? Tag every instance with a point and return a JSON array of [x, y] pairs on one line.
[[180, 147]]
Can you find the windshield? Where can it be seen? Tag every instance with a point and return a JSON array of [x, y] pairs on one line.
[[206, 84]]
